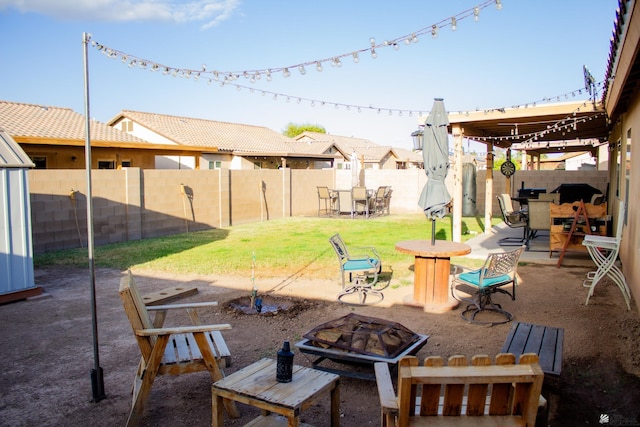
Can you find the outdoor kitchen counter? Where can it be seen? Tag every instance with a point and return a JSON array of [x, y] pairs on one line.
[[432, 267]]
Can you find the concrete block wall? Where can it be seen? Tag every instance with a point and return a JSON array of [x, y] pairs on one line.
[[167, 209], [132, 203]]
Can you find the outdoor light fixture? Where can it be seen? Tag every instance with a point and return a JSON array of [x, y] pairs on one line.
[[418, 137]]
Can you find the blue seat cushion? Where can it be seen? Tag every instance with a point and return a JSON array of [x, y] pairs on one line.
[[473, 277], [360, 264]]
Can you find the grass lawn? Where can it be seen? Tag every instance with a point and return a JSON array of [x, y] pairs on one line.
[[281, 247]]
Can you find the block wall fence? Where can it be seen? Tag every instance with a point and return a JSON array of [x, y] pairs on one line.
[[134, 203]]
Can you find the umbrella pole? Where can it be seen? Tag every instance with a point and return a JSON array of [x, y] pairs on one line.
[[433, 231]]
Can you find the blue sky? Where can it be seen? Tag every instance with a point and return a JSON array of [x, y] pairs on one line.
[[528, 51]]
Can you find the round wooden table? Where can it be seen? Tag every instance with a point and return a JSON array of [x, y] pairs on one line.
[[432, 267]]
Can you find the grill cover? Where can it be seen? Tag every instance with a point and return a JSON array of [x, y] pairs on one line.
[[364, 335]]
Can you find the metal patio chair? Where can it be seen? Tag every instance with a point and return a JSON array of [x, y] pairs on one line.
[[604, 252], [329, 198], [513, 219], [363, 269], [498, 271]]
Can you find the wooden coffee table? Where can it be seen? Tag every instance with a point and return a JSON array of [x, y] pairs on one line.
[[432, 267], [256, 385]]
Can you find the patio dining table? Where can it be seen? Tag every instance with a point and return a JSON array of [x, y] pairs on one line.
[[344, 203]]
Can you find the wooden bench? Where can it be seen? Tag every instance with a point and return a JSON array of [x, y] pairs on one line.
[[513, 400], [545, 341]]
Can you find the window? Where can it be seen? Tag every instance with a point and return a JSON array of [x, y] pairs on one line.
[[217, 164], [126, 163], [627, 173], [127, 126], [106, 164], [257, 165]]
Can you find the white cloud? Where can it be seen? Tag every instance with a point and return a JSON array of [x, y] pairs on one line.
[[209, 12]]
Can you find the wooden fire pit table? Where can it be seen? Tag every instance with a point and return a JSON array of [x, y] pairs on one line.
[[432, 267]]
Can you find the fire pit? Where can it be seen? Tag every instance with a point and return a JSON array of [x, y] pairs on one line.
[[361, 340]]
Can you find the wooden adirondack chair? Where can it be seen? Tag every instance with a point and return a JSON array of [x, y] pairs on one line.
[[172, 350], [480, 394]]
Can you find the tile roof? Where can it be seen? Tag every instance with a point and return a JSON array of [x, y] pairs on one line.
[[39, 121], [370, 150], [205, 133]]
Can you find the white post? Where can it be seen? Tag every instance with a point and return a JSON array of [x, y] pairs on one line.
[[457, 183]]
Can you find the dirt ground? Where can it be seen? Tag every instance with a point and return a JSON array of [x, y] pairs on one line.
[[47, 353]]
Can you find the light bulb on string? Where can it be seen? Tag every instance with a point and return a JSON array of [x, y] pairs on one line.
[[498, 4], [319, 66], [356, 59], [434, 32], [286, 73], [476, 14], [374, 55], [454, 24], [302, 70]]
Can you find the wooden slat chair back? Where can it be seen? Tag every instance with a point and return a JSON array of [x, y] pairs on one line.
[[479, 394], [170, 350]]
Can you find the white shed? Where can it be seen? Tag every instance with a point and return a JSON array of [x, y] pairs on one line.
[[16, 246]]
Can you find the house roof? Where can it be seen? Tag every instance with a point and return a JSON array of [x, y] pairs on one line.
[[230, 137], [371, 151], [623, 68], [55, 123], [11, 155]]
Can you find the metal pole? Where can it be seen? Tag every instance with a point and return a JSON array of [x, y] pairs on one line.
[[97, 378]]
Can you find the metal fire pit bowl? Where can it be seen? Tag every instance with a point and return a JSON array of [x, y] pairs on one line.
[[376, 340]]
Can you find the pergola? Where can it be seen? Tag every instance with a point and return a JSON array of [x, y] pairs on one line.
[[549, 128]]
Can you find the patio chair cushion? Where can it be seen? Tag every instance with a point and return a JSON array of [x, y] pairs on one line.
[[474, 277], [361, 264]]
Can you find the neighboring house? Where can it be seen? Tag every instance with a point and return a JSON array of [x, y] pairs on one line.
[[569, 161], [54, 138], [233, 145], [373, 156]]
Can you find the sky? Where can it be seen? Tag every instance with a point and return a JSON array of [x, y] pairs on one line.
[[529, 51]]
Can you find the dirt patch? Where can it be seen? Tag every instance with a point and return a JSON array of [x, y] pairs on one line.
[[48, 353]]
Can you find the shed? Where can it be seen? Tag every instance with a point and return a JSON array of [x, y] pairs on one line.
[[16, 245]]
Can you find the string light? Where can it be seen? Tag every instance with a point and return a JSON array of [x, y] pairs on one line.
[[373, 47]]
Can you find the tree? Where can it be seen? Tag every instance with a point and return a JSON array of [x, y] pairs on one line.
[[294, 129]]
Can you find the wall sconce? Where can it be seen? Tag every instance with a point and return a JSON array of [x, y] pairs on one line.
[[74, 159], [418, 137]]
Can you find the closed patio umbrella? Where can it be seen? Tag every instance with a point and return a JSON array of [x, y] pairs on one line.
[[435, 154], [355, 172]]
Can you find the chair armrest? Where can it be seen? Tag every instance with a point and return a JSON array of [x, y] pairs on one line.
[[182, 305], [517, 216], [369, 252], [388, 399], [182, 330]]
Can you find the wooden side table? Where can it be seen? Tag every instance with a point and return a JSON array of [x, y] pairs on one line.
[[431, 272], [256, 385]]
